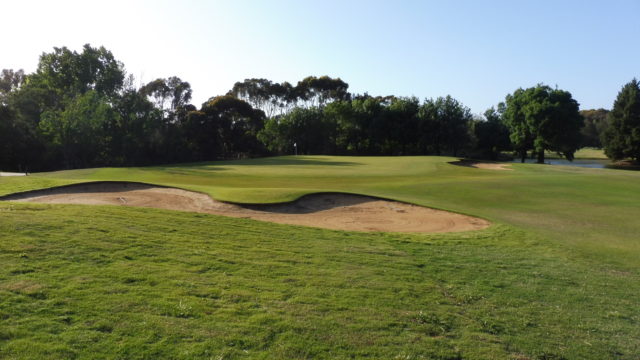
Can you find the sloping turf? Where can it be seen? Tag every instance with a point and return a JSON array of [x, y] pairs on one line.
[[556, 277]]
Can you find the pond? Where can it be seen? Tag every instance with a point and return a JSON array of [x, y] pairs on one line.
[[587, 163]]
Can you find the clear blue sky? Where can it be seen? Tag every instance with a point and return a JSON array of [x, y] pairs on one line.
[[476, 51]]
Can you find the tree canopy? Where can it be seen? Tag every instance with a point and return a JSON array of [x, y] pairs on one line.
[[595, 124], [622, 137], [492, 135], [541, 118], [80, 108]]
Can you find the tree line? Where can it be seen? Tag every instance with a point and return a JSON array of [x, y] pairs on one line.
[[81, 109]]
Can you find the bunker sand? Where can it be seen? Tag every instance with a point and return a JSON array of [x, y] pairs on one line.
[[329, 210], [481, 165]]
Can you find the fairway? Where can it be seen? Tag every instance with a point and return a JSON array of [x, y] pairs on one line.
[[555, 276]]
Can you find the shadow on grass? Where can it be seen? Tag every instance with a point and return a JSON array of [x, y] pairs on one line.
[[271, 161], [467, 162], [624, 165], [306, 204], [311, 203], [94, 186]]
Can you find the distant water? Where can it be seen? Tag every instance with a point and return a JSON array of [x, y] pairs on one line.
[[594, 164]]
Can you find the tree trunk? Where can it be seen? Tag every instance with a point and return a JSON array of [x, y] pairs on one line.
[[540, 156], [523, 155]]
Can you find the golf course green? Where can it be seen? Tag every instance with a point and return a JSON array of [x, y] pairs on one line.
[[556, 275]]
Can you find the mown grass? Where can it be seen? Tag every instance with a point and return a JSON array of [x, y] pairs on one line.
[[556, 277], [593, 211], [588, 153]]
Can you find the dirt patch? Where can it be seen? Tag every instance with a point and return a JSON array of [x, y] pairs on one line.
[[331, 211], [481, 165]]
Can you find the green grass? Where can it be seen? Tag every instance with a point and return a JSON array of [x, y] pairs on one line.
[[587, 153], [556, 276], [583, 154]]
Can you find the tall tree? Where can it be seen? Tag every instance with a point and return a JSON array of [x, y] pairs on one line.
[[240, 124], [491, 134], [63, 75], [16, 142], [10, 81], [360, 124], [260, 93], [514, 115], [225, 127], [595, 125], [456, 120], [304, 128], [444, 125], [21, 147], [78, 131], [541, 118], [139, 134], [270, 97], [402, 125], [68, 73], [318, 91], [168, 95], [622, 138], [373, 113], [350, 126]]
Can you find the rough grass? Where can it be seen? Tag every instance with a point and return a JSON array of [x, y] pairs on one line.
[[556, 277]]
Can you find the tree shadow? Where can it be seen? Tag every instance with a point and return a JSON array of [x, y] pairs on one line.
[[311, 203], [271, 161], [92, 186], [624, 165], [469, 163], [189, 169]]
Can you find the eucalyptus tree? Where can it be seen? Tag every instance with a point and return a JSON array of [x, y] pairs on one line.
[[270, 97], [225, 126], [318, 91], [168, 95]]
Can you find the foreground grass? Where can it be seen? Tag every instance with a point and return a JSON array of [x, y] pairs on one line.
[[143, 283], [556, 277]]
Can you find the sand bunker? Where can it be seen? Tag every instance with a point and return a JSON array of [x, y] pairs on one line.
[[11, 174], [481, 165], [332, 211]]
